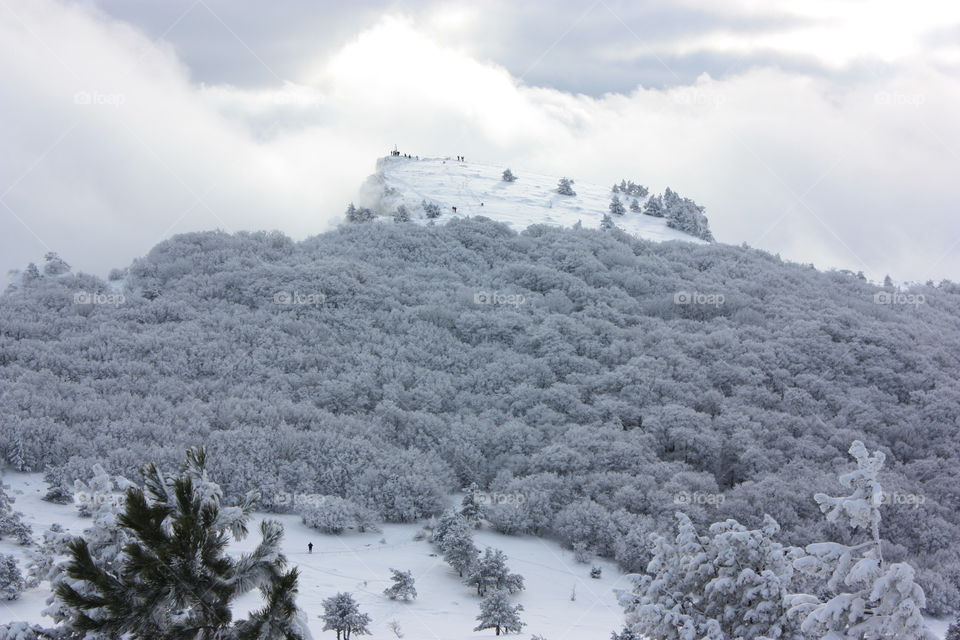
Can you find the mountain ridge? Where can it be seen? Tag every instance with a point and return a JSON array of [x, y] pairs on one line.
[[462, 188]]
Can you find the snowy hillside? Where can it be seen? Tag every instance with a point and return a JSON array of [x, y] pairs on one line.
[[360, 563], [479, 190]]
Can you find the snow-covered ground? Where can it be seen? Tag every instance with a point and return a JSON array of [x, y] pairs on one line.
[[479, 190], [360, 563]]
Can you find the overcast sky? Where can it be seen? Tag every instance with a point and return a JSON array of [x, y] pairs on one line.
[[824, 130]]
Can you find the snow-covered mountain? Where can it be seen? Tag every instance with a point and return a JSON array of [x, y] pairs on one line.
[[479, 190]]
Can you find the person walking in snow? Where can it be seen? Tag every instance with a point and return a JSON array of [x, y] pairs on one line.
[[309, 547]]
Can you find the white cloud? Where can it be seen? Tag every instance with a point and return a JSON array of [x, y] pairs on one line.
[[858, 175]]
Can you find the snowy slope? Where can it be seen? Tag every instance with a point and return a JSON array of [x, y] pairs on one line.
[[478, 189], [360, 563]]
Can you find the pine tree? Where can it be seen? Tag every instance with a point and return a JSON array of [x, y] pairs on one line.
[[430, 209], [12, 524], [403, 586], [654, 207], [565, 187], [54, 264], [606, 222], [870, 598], [953, 631], [11, 580], [458, 548], [444, 524], [490, 572], [616, 207], [280, 618], [359, 214], [99, 499], [401, 214], [686, 215], [176, 579], [342, 614], [635, 206], [19, 458], [471, 508], [730, 584], [496, 612], [508, 175]]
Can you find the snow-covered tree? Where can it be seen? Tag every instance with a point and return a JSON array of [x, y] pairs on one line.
[[442, 525], [654, 207], [565, 187], [869, 599], [333, 514], [402, 587], [635, 206], [616, 207], [685, 215], [401, 214], [508, 175], [471, 508], [12, 524], [731, 583], [359, 214], [12, 583], [27, 631], [606, 222], [458, 548], [430, 209], [497, 613], [54, 265], [490, 572], [953, 631], [176, 579], [341, 613], [100, 499]]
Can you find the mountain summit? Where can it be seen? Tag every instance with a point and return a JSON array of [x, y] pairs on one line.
[[419, 189]]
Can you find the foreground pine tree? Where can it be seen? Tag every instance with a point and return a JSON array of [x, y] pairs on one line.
[[176, 580], [496, 612], [871, 599]]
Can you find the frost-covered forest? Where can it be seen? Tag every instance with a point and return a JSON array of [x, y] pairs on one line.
[[591, 383]]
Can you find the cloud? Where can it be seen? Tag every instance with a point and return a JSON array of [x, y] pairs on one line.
[[856, 173]]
